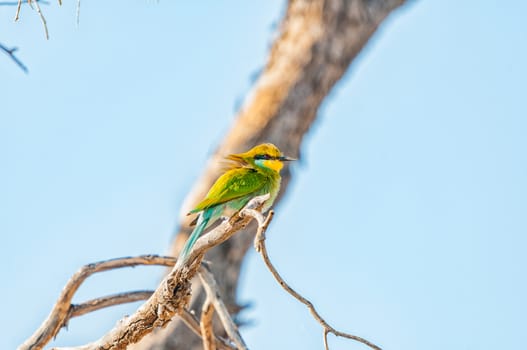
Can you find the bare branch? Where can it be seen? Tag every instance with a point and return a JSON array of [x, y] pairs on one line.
[[213, 294], [36, 8], [17, 14], [11, 53], [59, 314], [259, 243], [191, 321], [207, 331], [78, 12], [41, 15], [170, 298], [77, 310], [193, 324]]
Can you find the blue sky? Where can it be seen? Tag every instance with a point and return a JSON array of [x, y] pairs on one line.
[[405, 223]]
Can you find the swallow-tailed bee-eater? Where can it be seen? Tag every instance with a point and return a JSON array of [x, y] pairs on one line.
[[250, 174]]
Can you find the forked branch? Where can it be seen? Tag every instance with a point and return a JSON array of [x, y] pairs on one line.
[[169, 299], [63, 309], [259, 244], [77, 310], [11, 53], [171, 296], [34, 4], [213, 294], [192, 322]]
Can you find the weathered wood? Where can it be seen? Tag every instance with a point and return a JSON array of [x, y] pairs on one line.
[[168, 300]]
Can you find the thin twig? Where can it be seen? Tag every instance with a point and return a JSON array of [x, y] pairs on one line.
[[191, 321], [211, 288], [77, 310], [78, 12], [259, 243], [42, 18], [194, 325], [59, 314], [207, 331], [18, 6], [11, 53], [325, 336]]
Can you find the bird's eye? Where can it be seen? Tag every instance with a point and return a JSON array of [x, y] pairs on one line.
[[262, 156]]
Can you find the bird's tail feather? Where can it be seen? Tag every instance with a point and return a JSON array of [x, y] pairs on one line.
[[203, 220]]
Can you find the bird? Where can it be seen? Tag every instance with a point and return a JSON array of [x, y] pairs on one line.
[[250, 174]]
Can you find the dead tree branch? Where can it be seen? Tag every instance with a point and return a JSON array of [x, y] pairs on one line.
[[11, 53], [18, 7], [169, 299], [194, 325], [213, 294], [36, 7], [41, 15], [62, 309], [77, 310], [207, 332], [259, 244]]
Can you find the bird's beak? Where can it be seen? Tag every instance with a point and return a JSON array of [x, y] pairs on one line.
[[286, 159]]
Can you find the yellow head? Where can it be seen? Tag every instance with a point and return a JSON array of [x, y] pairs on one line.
[[265, 155]]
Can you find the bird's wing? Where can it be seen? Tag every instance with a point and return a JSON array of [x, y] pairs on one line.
[[234, 184]]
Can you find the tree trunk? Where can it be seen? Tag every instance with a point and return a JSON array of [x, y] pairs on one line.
[[317, 42]]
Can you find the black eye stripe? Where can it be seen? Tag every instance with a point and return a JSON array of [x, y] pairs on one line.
[[263, 156]]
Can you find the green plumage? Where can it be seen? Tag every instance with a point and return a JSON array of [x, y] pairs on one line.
[[253, 173], [237, 184]]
